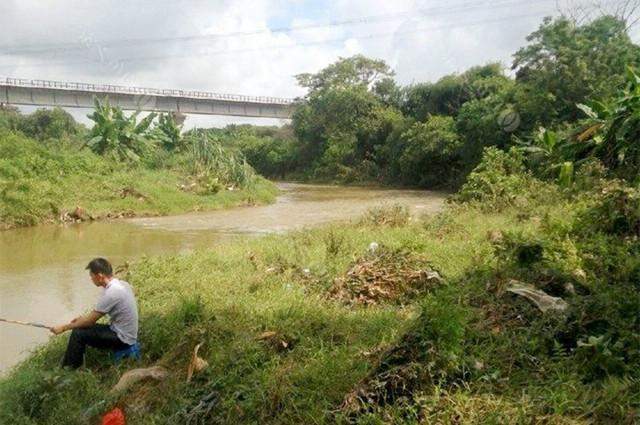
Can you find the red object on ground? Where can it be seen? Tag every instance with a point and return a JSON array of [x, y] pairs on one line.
[[114, 417]]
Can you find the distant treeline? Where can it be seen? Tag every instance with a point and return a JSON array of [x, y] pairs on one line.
[[357, 124]]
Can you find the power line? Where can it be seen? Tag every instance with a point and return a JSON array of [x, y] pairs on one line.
[[398, 34], [336, 40], [434, 11]]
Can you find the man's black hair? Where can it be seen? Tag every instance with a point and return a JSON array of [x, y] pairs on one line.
[[100, 265]]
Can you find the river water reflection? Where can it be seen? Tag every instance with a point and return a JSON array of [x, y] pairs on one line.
[[42, 276]]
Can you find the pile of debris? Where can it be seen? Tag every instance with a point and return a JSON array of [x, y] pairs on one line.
[[384, 275], [78, 215]]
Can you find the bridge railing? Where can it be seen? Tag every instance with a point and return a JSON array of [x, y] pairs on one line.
[[109, 88]]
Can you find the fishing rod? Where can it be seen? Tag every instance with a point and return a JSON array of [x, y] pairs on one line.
[[33, 324]]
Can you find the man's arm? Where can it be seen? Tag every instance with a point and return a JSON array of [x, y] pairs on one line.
[[85, 321]]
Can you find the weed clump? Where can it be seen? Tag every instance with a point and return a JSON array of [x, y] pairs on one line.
[[385, 275], [591, 264], [214, 167], [428, 355], [392, 216], [616, 212], [38, 395]]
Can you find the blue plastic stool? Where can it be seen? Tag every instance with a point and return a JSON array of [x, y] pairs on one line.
[[133, 351]]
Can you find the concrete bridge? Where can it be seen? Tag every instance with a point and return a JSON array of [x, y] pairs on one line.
[[16, 91]]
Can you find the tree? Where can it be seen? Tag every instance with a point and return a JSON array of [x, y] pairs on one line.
[[9, 117], [447, 95], [430, 153], [331, 126], [389, 93], [345, 73], [579, 13], [45, 124], [487, 121], [566, 64], [342, 119]]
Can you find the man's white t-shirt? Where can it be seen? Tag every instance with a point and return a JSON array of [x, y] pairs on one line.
[[119, 303]]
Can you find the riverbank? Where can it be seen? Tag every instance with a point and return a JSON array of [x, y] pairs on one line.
[[42, 269], [62, 183], [291, 335]]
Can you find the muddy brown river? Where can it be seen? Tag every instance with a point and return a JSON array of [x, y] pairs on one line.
[[42, 276]]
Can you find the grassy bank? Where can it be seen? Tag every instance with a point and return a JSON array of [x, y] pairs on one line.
[[42, 182], [288, 343]]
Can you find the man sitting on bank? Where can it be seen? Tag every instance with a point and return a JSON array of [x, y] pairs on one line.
[[118, 302]]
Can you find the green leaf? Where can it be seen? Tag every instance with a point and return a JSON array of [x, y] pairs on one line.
[[588, 111], [550, 140], [565, 177], [632, 76]]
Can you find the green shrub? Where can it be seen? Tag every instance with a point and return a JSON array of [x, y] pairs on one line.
[[393, 215], [431, 153], [589, 177], [10, 117], [615, 212], [500, 181], [551, 262], [613, 131], [45, 124], [271, 157], [591, 267]]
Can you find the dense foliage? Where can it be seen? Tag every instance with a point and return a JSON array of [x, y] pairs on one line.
[[53, 169], [355, 124], [46, 125], [613, 132]]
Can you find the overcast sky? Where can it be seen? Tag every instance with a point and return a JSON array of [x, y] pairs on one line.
[[255, 47]]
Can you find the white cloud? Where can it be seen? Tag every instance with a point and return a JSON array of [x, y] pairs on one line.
[[421, 39]]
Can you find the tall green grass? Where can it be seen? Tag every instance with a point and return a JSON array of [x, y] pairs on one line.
[[208, 158]]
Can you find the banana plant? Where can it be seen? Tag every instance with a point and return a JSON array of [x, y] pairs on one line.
[[547, 150], [167, 133], [542, 145], [612, 133], [118, 136]]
